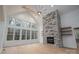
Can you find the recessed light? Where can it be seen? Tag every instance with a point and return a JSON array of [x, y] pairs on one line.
[[39, 12], [51, 5]]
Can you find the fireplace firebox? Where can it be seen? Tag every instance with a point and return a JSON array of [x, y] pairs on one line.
[[50, 40]]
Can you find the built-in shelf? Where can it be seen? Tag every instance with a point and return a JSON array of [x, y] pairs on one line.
[[66, 27], [66, 31], [66, 34], [76, 28]]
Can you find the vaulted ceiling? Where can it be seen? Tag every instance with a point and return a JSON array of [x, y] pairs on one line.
[[44, 9], [63, 9]]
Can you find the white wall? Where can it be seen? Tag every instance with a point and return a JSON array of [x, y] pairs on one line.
[[1, 32], [70, 19], [1, 26], [1, 21], [13, 9]]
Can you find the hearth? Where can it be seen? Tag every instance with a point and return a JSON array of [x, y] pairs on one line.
[[50, 40]]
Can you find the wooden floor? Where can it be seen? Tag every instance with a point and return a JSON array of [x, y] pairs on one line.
[[39, 49]]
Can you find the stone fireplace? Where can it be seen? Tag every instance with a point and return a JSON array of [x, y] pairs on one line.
[[51, 29]]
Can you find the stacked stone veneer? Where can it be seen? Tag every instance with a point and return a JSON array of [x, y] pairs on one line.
[[51, 28]]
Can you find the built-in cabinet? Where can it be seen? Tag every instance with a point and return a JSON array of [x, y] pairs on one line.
[[69, 37], [76, 30]]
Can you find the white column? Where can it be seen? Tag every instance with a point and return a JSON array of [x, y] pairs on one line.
[[40, 34], [4, 29]]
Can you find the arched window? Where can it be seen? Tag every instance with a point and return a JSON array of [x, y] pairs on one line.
[[21, 29]]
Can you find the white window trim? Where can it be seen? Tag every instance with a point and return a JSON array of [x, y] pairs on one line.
[[17, 27]]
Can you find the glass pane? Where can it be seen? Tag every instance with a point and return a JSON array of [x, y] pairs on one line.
[[11, 21], [23, 24], [36, 34], [23, 34], [34, 26], [28, 34], [9, 37], [33, 35], [10, 34], [18, 22], [17, 34], [26, 24]]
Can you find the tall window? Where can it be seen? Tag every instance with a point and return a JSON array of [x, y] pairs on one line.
[[28, 34], [34, 34], [17, 34], [21, 29], [24, 34], [10, 34]]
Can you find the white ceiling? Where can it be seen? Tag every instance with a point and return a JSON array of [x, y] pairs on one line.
[[61, 8], [44, 9]]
